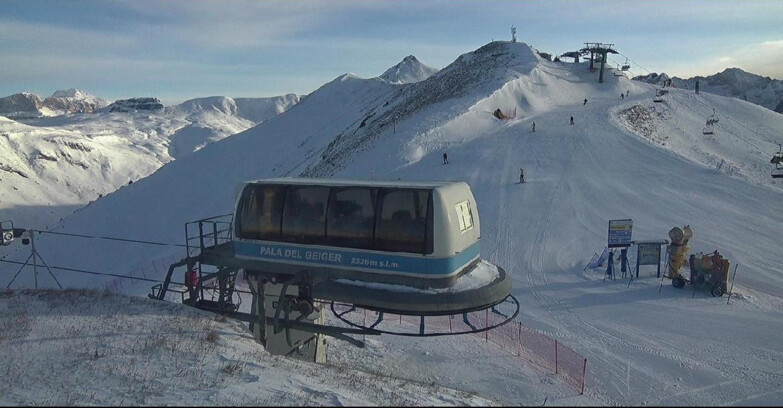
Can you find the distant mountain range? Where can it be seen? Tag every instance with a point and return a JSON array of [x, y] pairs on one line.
[[732, 82], [68, 149], [26, 104]]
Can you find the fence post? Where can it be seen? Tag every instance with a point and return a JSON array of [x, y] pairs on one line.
[[555, 356], [519, 342], [450, 329], [584, 371], [486, 324]]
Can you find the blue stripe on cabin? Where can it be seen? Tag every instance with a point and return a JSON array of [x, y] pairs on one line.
[[354, 259]]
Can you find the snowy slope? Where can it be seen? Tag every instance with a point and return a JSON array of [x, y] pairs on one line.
[[643, 347], [81, 347]]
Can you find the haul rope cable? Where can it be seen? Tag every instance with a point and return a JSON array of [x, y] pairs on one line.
[[109, 238]]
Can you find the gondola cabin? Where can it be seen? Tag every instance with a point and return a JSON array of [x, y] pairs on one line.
[[413, 233]]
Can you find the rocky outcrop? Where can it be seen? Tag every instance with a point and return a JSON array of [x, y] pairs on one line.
[[134, 105]]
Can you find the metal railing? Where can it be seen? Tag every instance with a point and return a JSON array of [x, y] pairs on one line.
[[207, 233]]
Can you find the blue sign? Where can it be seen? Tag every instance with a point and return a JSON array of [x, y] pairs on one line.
[[355, 259]]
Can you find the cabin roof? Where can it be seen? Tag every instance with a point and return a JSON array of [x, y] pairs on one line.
[[352, 182]]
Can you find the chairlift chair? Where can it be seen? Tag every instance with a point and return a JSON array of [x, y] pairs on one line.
[[777, 160], [659, 96], [626, 67], [708, 127]]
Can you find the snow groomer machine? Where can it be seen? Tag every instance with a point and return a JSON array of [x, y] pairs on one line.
[[364, 250]]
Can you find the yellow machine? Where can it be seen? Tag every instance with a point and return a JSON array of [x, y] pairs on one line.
[[709, 271], [677, 251]]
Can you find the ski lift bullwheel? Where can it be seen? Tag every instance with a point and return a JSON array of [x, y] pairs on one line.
[[428, 325]]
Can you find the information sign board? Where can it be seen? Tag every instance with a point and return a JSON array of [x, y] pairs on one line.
[[620, 233]]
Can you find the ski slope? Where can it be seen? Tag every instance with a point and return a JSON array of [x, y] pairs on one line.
[[643, 347]]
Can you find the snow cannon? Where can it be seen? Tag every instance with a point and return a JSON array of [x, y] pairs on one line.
[[710, 272], [677, 251]]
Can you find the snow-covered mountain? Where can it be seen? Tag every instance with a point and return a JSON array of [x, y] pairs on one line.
[[255, 110], [408, 71], [74, 101], [732, 82], [51, 165], [622, 158], [23, 104], [26, 104]]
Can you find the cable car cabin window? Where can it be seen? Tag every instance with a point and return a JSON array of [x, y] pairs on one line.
[[464, 215], [259, 216], [351, 217], [402, 224], [304, 214]]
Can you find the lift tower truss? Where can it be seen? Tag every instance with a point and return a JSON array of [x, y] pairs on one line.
[[598, 49]]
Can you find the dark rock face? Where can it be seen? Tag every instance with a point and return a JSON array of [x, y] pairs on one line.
[[20, 103], [135, 104]]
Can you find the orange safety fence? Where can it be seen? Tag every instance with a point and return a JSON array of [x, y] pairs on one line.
[[513, 337]]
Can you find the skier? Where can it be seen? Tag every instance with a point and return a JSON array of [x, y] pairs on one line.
[[445, 158], [585, 102], [572, 120], [534, 127], [622, 95], [628, 92], [521, 175]]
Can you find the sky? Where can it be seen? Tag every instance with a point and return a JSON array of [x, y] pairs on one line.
[[177, 50]]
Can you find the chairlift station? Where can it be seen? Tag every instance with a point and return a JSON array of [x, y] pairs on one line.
[[407, 248]]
